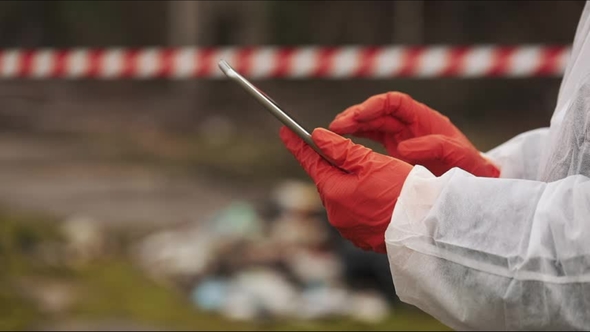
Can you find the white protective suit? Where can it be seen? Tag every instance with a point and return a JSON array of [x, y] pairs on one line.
[[511, 253]]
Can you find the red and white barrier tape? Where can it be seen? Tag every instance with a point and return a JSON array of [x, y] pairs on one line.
[[290, 63]]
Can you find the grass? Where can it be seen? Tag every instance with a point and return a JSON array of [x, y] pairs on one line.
[[15, 312], [18, 236], [117, 289], [114, 289]]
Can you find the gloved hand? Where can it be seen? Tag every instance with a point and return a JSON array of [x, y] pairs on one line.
[[413, 132], [360, 203]]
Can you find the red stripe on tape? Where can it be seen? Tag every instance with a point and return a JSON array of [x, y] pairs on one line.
[[129, 63], [94, 62], [455, 59], [60, 62], [166, 63], [549, 61], [411, 61], [501, 61], [244, 60], [283, 58], [367, 61], [204, 57], [324, 62], [25, 63]]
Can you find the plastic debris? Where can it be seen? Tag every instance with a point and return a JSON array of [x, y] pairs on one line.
[[270, 291], [211, 294], [246, 267], [293, 195], [240, 305], [85, 239], [315, 267], [368, 307], [323, 302], [176, 253], [238, 221]]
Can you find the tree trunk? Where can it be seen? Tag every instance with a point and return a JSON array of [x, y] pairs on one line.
[[183, 31], [408, 22], [182, 18]]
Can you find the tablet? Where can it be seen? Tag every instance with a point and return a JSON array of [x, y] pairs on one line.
[[270, 105]]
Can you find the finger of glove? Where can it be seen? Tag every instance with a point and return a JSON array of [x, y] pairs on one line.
[[316, 166], [395, 104], [431, 147], [384, 124], [344, 122], [342, 151]]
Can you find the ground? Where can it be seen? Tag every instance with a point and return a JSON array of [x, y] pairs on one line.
[[128, 185], [112, 294]]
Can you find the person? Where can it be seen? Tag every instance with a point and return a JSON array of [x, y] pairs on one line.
[[497, 240]]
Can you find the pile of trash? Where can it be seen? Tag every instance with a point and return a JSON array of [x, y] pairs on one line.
[[280, 260]]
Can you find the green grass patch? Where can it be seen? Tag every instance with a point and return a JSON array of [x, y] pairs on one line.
[[114, 289]]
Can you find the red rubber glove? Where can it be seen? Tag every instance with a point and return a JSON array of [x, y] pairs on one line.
[[360, 203], [413, 132]]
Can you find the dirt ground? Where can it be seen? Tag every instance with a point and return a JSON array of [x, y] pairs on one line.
[[57, 177]]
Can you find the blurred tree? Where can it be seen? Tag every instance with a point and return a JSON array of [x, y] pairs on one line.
[[226, 23], [408, 22], [232, 23], [182, 27], [331, 22], [98, 23], [145, 23], [32, 24], [95, 23], [501, 22], [286, 29]]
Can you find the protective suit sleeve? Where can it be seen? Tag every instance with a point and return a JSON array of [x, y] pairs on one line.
[[520, 157], [495, 254]]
